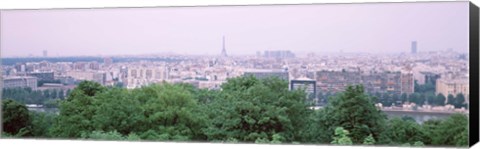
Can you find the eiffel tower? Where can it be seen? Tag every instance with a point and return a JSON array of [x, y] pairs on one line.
[[224, 52]]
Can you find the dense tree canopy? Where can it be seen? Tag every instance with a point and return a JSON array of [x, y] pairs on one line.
[[29, 96], [458, 101], [116, 110], [251, 109], [15, 117], [171, 112], [452, 131], [77, 111], [403, 131], [354, 111], [245, 109]]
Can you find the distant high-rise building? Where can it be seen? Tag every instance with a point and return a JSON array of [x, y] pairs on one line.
[[414, 47], [279, 54], [45, 53], [224, 51]]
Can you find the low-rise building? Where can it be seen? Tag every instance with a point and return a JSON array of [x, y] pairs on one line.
[[266, 73], [98, 77], [20, 82], [309, 85]]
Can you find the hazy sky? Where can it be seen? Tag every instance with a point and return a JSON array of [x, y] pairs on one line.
[[376, 27]]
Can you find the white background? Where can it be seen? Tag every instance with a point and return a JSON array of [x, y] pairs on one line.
[[62, 144]]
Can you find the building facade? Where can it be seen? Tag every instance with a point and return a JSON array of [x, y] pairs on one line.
[[42, 76], [278, 54], [309, 85], [408, 84], [141, 76], [373, 82], [98, 77], [452, 87], [414, 47], [262, 74], [20, 82]]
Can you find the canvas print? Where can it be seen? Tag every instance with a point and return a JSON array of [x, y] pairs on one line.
[[371, 74]]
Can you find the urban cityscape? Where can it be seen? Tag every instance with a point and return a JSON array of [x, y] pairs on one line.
[[393, 74], [376, 74]]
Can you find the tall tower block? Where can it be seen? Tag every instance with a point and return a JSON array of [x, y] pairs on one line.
[[224, 51], [414, 47]]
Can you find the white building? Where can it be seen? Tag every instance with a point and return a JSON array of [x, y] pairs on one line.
[[98, 77], [20, 82], [144, 75]]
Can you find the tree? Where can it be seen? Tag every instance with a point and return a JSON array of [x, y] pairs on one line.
[[429, 128], [41, 124], [387, 99], [250, 109], [319, 132], [427, 87], [417, 98], [205, 96], [37, 97], [61, 94], [51, 103], [77, 111], [341, 137], [67, 93], [451, 131], [26, 95], [354, 111], [396, 99], [451, 99], [418, 144], [369, 140], [440, 101], [327, 96], [404, 97], [54, 94], [171, 113], [462, 138], [15, 117], [90, 88], [46, 93], [430, 97], [320, 97], [404, 131], [458, 101], [116, 110]]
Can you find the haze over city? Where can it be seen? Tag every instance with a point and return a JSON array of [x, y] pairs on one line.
[[324, 28], [296, 74]]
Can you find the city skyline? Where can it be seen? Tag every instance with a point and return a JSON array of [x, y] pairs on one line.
[[248, 29]]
